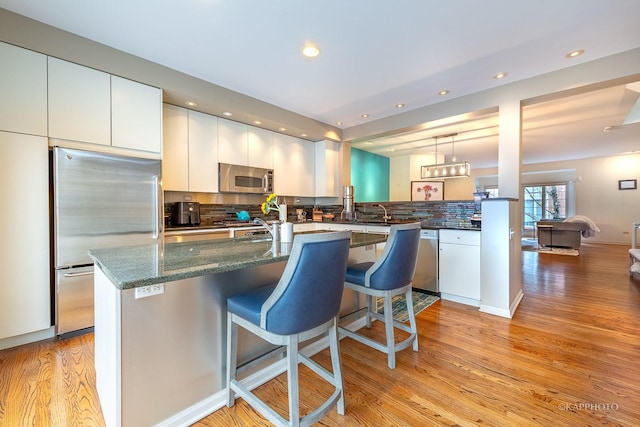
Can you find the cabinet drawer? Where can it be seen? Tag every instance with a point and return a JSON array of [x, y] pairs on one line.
[[460, 237]]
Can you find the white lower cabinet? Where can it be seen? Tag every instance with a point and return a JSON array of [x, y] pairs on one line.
[[25, 300], [459, 266]]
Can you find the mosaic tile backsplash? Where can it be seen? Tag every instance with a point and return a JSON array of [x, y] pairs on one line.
[[440, 213]]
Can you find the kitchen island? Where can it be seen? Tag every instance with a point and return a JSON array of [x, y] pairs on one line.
[[160, 324]]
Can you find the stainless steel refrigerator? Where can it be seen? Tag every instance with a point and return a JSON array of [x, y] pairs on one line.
[[100, 201]]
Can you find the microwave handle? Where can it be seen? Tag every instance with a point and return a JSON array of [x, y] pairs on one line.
[[265, 183]]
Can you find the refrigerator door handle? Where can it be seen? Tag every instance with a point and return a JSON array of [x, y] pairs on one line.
[[158, 216], [82, 273]]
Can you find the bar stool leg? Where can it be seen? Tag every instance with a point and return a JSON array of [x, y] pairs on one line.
[[412, 317], [292, 379], [335, 362], [388, 326], [232, 350]]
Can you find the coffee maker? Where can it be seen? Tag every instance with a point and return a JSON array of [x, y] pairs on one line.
[[348, 204], [186, 213]]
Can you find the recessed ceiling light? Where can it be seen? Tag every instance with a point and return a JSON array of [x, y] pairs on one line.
[[311, 51], [304, 135], [391, 149], [364, 116], [339, 123], [575, 53], [191, 104], [443, 92], [399, 105], [257, 122], [368, 143], [282, 129], [228, 114], [500, 76]]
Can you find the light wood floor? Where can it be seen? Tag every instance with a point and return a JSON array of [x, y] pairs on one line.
[[570, 356]]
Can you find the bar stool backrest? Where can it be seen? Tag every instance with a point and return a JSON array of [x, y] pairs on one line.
[[310, 289], [396, 265]]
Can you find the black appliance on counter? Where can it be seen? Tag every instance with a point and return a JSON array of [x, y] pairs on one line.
[[186, 213]]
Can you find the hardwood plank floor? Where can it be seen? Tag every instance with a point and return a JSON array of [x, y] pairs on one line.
[[570, 356]]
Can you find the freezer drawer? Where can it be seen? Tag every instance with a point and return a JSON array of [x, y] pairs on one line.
[[74, 299]]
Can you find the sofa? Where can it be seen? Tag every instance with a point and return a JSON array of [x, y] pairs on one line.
[[559, 233]]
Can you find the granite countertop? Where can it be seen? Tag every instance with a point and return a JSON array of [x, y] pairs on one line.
[[135, 266]]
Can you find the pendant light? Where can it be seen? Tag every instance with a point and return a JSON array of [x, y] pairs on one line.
[[454, 169]]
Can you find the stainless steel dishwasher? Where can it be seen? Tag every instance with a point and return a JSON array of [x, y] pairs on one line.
[[426, 276]]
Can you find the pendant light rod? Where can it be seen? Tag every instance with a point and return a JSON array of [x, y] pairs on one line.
[[448, 135]]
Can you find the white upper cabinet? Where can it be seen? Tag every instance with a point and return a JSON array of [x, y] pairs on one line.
[[23, 85], [260, 147], [79, 103], [203, 152], [90, 106], [293, 166], [232, 143], [136, 115], [328, 169], [190, 151], [240, 144], [175, 150]]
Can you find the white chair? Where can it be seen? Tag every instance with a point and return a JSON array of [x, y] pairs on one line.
[[304, 304], [390, 275]]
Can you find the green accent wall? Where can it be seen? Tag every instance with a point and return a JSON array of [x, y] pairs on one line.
[[369, 176]]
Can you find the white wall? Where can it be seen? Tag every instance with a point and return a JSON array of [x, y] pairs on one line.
[[594, 185], [404, 169]]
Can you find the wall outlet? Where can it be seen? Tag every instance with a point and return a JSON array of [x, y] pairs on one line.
[[148, 291]]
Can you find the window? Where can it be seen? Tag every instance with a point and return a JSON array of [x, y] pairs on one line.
[[544, 202]]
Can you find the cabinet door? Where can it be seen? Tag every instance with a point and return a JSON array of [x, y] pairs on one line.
[[23, 85], [459, 270], [293, 166], [136, 115], [175, 151], [79, 103], [260, 148], [232, 142], [25, 301], [203, 152], [328, 169]]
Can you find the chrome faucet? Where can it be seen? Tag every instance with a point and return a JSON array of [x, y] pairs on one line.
[[274, 229], [385, 217]]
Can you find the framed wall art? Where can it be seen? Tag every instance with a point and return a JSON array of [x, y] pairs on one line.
[[427, 191], [627, 184]]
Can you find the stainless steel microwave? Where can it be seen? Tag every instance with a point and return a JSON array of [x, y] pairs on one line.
[[244, 179]]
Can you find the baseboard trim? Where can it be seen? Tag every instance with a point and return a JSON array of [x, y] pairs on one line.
[[27, 338], [501, 311]]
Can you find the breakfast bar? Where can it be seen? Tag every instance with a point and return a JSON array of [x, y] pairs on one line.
[[160, 323]]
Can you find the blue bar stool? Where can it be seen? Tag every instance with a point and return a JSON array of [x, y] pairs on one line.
[[389, 276], [305, 303]]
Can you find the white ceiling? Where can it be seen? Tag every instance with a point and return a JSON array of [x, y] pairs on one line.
[[376, 54], [568, 128]]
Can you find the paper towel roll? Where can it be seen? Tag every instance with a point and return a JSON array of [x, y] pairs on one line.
[[282, 215], [286, 232]]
